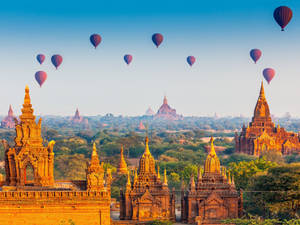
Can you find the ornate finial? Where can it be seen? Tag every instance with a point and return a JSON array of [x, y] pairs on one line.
[[128, 180], [212, 147], [94, 150], [212, 163], [262, 91], [199, 174], [158, 174], [147, 151], [165, 177], [135, 176], [229, 178], [232, 180], [27, 96]]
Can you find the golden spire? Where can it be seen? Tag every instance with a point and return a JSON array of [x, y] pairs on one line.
[[122, 169], [229, 178], [212, 163], [165, 177], [94, 150], [199, 174], [135, 176], [27, 111], [262, 91], [147, 151], [128, 180], [94, 158], [158, 174], [27, 96]]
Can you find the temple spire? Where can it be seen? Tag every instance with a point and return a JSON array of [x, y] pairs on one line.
[[122, 169], [95, 158], [147, 151], [128, 185], [165, 102], [165, 177], [212, 163], [192, 183], [158, 174], [262, 91], [27, 111], [10, 111]]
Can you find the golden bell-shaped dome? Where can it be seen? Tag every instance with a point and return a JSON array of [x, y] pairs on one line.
[[212, 163]]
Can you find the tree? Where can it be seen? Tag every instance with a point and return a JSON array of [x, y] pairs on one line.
[[275, 194]]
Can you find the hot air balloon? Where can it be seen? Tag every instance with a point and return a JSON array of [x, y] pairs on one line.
[[191, 60], [40, 77], [269, 74], [255, 54], [128, 59], [95, 40], [40, 58], [157, 39], [56, 60], [283, 16]]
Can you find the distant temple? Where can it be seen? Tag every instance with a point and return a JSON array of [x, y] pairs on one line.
[[149, 112], [147, 198], [166, 112], [262, 135], [41, 199], [9, 120], [141, 126], [213, 197], [122, 169], [77, 119]]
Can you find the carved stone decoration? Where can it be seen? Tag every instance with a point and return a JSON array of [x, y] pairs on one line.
[[95, 173], [147, 198], [262, 135], [29, 151], [213, 197]]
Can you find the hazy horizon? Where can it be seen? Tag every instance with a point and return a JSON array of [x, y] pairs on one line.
[[224, 80]]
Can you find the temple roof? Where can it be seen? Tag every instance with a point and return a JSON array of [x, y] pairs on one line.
[[27, 110], [262, 107]]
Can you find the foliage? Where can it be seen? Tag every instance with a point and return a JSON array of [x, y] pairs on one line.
[[275, 194], [260, 221], [160, 222], [243, 170]]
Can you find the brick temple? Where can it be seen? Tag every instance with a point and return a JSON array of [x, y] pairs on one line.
[[262, 135], [9, 120], [147, 198], [43, 200], [213, 197], [166, 112]]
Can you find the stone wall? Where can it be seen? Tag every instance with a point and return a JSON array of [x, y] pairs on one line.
[[55, 208]]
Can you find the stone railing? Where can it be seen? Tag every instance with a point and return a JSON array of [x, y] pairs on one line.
[[53, 195]]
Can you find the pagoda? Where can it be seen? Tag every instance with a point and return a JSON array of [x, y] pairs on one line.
[[41, 199], [29, 151], [262, 135], [166, 112], [122, 169], [9, 120], [147, 198], [141, 126], [77, 119], [213, 197]]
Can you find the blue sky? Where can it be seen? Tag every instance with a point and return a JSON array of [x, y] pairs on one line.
[[218, 33]]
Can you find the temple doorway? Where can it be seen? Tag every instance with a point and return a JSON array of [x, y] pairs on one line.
[[29, 175]]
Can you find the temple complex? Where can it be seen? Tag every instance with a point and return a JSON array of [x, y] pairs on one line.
[[262, 135], [9, 120], [166, 112], [122, 168], [42, 200], [77, 119], [147, 198], [213, 197]]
